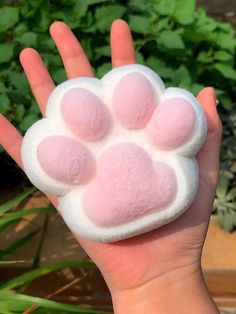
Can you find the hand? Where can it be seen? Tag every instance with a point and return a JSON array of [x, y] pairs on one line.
[[163, 257]]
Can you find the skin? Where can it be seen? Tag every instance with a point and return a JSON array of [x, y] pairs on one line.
[[150, 272]]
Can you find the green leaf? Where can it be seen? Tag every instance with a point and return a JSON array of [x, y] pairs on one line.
[[93, 2], [226, 102], [220, 218], [59, 75], [38, 252], [81, 7], [182, 77], [5, 104], [160, 25], [34, 107], [184, 12], [204, 57], [16, 298], [222, 187], [3, 88], [195, 36], [28, 121], [139, 24], [16, 200], [225, 220], [228, 223], [17, 96], [139, 58], [6, 52], [225, 41], [226, 70], [28, 39], [17, 244], [18, 80], [165, 7], [87, 45], [231, 195], [9, 16], [36, 273], [10, 217], [19, 112], [195, 88], [233, 216], [171, 40], [210, 26], [103, 69], [223, 56], [43, 19], [160, 67], [45, 43], [103, 51], [105, 15], [21, 28], [226, 27], [69, 17], [138, 4]]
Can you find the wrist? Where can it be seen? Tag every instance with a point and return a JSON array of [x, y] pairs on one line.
[[178, 292]]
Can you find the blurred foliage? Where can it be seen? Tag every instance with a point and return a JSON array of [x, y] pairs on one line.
[[181, 43], [12, 297], [225, 201], [187, 48]]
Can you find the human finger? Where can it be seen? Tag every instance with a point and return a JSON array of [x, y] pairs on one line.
[[37, 75], [122, 48], [72, 54]]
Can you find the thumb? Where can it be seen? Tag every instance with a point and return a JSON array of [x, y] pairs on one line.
[[208, 156]]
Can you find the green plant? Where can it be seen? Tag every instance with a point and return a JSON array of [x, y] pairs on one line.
[[12, 296], [185, 46], [225, 201]]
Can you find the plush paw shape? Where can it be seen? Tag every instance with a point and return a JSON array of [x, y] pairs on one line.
[[119, 152]]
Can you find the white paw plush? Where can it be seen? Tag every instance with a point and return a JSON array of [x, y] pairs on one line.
[[118, 152]]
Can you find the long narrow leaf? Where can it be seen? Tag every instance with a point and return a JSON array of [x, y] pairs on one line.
[[31, 275], [17, 244], [16, 200], [36, 261], [5, 308], [16, 298], [5, 225], [9, 217]]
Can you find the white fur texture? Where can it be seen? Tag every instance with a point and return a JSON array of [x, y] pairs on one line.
[[70, 197]]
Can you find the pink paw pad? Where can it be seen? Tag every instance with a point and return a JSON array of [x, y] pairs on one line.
[[85, 114], [133, 101], [65, 159], [129, 187], [172, 124]]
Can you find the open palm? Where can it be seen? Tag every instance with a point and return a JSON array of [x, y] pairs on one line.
[[137, 261]]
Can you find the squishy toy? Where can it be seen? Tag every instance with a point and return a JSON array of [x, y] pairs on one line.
[[118, 152]]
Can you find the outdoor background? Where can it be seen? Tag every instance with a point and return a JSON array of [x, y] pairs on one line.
[[188, 47]]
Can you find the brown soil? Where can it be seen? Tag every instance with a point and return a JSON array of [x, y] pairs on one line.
[[224, 10]]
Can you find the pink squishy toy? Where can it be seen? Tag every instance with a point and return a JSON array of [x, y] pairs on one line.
[[118, 152]]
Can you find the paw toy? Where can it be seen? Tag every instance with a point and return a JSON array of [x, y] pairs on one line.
[[118, 152]]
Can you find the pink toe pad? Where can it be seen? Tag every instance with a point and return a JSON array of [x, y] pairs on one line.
[[133, 101], [65, 159], [128, 186], [172, 124], [84, 114]]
